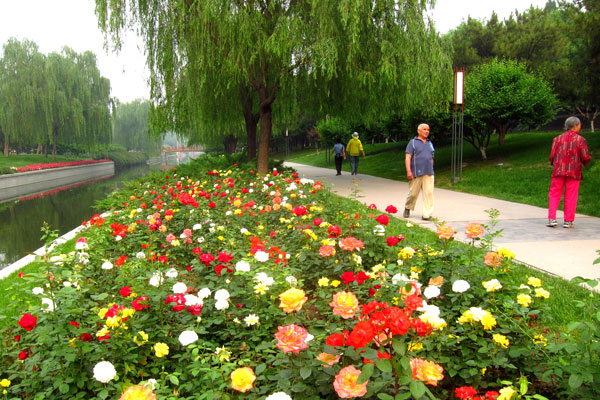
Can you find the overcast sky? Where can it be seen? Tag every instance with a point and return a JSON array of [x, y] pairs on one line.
[[53, 24]]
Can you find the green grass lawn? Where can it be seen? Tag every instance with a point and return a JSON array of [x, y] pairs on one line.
[[518, 171]]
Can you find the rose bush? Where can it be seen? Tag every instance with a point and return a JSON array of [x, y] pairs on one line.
[[224, 283]]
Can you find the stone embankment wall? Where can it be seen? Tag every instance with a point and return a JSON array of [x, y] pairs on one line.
[[15, 186]]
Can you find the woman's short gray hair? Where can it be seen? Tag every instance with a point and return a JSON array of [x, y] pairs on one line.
[[571, 123]]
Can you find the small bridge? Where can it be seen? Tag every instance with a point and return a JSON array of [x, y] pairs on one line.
[[181, 149]]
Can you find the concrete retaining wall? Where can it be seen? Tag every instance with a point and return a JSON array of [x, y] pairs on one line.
[[15, 186]]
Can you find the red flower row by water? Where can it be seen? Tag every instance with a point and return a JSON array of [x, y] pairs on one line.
[[37, 167]]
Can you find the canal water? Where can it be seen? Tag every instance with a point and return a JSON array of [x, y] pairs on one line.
[[63, 209]]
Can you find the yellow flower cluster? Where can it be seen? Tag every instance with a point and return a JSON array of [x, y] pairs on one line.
[[476, 314], [524, 299], [143, 338], [506, 393], [540, 339], [407, 252], [160, 349], [501, 340], [541, 292], [506, 253]]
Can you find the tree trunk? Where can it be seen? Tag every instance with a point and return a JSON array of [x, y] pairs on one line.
[[5, 147], [501, 134], [266, 124], [39, 149], [482, 150], [55, 137], [230, 144]]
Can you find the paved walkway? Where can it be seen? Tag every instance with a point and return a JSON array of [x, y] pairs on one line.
[[564, 252]]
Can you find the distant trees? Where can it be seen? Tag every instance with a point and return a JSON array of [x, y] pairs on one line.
[[50, 100], [502, 95], [559, 43], [131, 127]]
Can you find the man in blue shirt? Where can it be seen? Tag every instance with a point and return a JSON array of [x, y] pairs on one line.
[[419, 171]]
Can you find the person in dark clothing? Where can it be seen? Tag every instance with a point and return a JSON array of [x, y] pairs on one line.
[[339, 152]]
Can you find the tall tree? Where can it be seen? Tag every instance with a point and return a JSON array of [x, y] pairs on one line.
[[131, 127], [359, 58], [21, 81], [502, 95]]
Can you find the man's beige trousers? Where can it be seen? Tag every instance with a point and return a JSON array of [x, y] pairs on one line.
[[424, 182]]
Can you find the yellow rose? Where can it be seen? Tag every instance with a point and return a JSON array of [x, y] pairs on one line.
[[161, 349], [501, 340], [143, 338], [506, 393], [242, 379], [5, 383], [540, 292], [524, 299], [323, 281], [534, 281], [292, 300]]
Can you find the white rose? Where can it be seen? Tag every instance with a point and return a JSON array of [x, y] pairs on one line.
[[156, 279], [460, 286], [179, 287], [222, 295], [291, 280], [204, 293], [431, 291], [398, 278], [222, 305], [197, 227], [140, 255], [261, 256], [37, 290], [49, 304], [187, 337], [242, 266], [104, 372], [107, 265], [172, 273], [379, 230], [279, 396], [191, 300]]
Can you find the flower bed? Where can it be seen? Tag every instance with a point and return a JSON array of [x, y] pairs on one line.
[[37, 167], [234, 285]]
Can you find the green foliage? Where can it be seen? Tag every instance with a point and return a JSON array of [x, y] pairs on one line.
[[226, 60], [217, 244], [131, 127], [331, 129], [502, 96], [48, 101]]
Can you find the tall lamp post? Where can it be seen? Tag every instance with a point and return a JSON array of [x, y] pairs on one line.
[[457, 125]]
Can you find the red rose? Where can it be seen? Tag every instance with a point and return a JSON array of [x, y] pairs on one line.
[[391, 209], [178, 299], [225, 257], [212, 204], [140, 303], [207, 258], [383, 219], [413, 302], [392, 241], [75, 324], [348, 277], [28, 322], [372, 206], [196, 309], [491, 395], [317, 221], [85, 337], [398, 320], [422, 328], [361, 335], [125, 291], [163, 259], [120, 261], [334, 231], [465, 392], [335, 340], [361, 277], [300, 210], [17, 338], [23, 355]]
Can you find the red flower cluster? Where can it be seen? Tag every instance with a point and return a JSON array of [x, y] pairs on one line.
[[300, 210], [40, 166], [383, 219], [334, 231], [349, 277], [391, 209], [187, 200], [469, 393]]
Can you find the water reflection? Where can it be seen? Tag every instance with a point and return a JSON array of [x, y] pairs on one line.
[[20, 220]]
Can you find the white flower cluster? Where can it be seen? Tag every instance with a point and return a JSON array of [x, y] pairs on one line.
[[222, 299]]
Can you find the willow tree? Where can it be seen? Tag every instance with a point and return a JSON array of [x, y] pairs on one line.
[[353, 58], [21, 82]]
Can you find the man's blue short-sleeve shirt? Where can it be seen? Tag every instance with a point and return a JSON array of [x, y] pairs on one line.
[[422, 157]]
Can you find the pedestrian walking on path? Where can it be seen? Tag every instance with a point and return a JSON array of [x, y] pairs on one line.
[[354, 148], [569, 152], [419, 171], [339, 152]]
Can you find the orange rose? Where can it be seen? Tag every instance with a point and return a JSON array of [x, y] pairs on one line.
[[492, 259], [328, 360], [438, 281], [326, 251], [474, 230], [345, 304], [445, 232], [427, 371], [291, 338], [351, 244], [242, 379], [292, 300], [345, 383]]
